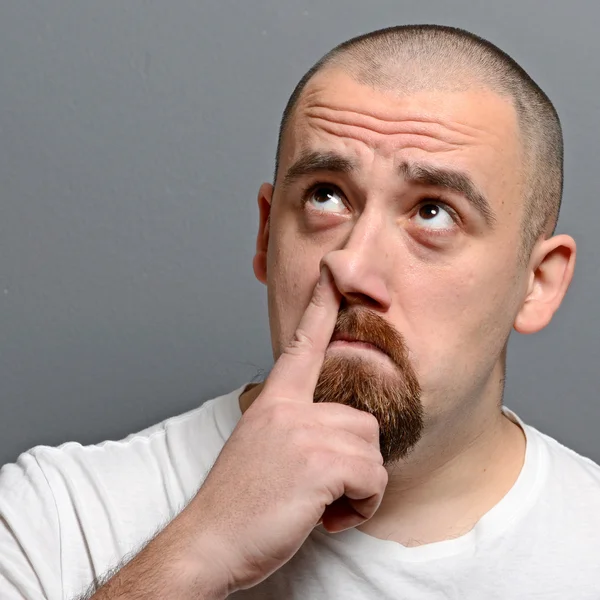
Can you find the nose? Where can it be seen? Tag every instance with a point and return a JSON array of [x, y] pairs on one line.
[[359, 266]]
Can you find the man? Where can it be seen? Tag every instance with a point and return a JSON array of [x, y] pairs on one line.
[[408, 231]]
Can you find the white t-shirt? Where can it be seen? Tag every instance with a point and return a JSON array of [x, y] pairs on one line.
[[69, 514]]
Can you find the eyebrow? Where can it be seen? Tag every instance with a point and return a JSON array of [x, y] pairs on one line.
[[311, 162], [316, 162]]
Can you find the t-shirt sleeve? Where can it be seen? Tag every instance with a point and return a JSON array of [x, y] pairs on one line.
[[30, 556]]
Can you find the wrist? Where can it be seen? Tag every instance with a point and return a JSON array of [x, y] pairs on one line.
[[202, 567]]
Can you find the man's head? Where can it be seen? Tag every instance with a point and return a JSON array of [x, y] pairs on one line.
[[424, 168]]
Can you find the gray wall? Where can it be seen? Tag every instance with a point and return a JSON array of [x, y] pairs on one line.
[[133, 137]]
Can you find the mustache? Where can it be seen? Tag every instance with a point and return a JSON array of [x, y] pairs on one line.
[[364, 325]]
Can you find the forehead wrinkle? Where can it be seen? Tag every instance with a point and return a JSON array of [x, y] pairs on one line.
[[333, 108], [374, 139], [387, 125], [335, 119], [430, 134]]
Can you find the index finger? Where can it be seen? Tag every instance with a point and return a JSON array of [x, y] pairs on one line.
[[296, 371]]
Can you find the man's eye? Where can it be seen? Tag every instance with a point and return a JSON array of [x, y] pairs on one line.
[[434, 215], [326, 199]]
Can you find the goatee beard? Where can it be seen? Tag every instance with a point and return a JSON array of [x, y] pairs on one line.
[[392, 396]]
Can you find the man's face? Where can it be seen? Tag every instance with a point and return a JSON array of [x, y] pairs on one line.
[[414, 204]]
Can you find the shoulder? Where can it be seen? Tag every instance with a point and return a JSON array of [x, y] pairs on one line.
[[563, 464], [566, 465], [66, 508], [185, 442], [569, 492]]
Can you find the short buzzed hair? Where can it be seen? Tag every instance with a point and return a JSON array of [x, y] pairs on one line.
[[420, 57]]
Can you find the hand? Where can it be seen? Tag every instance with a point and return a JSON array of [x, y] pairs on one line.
[[290, 463]]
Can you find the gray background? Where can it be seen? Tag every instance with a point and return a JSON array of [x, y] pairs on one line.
[[133, 137]]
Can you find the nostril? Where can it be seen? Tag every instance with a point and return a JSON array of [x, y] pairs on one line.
[[362, 299], [359, 281]]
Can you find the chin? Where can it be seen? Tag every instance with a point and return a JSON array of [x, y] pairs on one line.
[[389, 392]]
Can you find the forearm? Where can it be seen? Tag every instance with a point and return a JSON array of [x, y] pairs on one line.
[[176, 564]]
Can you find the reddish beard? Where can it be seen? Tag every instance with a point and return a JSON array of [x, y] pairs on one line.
[[393, 397]]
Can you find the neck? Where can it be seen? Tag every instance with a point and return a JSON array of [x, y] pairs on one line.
[[454, 475]]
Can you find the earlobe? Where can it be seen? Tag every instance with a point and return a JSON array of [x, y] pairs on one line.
[[259, 263], [552, 266]]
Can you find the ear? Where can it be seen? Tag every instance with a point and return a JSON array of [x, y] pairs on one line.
[[551, 266], [259, 263]]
